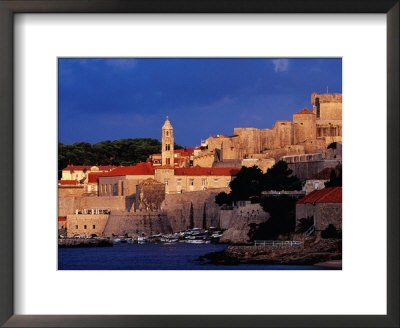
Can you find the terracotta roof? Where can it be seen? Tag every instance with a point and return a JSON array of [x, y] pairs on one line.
[[218, 136], [326, 195], [305, 111], [88, 167], [217, 171], [184, 152], [138, 169], [68, 182], [94, 177], [62, 218]]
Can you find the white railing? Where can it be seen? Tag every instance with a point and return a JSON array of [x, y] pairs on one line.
[[277, 242]]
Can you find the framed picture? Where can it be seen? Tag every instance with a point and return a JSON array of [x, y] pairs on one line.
[[37, 285]]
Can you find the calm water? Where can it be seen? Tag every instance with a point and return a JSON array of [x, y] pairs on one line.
[[178, 256]]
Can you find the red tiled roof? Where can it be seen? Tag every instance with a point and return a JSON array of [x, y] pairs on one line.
[[326, 195], [68, 182], [218, 136], [62, 218], [305, 111], [138, 169], [184, 152], [217, 171], [94, 176], [82, 167]]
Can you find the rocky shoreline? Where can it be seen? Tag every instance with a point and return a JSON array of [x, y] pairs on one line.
[[308, 253], [70, 243]]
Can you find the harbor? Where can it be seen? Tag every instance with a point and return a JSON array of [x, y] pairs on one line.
[[189, 236]]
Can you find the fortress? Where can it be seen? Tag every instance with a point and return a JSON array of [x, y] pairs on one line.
[[308, 132], [156, 195]]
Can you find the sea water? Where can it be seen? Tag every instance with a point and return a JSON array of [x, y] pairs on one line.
[[177, 256]]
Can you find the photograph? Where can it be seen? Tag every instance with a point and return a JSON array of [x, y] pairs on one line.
[[199, 163]]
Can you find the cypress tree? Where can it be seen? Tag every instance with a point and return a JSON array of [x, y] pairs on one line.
[[204, 217], [191, 216]]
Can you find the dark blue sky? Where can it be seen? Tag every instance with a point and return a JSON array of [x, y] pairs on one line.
[[108, 99]]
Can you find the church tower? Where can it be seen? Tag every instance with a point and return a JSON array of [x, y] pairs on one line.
[[167, 144]]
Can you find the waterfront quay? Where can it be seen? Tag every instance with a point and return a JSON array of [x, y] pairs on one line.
[[189, 236]]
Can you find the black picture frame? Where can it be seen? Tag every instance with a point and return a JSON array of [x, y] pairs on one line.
[[10, 7]]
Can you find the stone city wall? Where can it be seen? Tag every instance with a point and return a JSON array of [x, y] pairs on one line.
[[86, 224], [263, 164], [326, 214], [140, 223], [237, 222], [177, 208], [68, 205], [71, 190]]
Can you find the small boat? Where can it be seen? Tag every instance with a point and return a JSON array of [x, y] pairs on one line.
[[142, 240], [116, 240]]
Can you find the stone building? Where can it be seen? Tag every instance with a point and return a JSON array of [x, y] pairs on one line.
[[149, 195], [122, 181], [317, 181], [325, 206], [80, 172], [308, 132]]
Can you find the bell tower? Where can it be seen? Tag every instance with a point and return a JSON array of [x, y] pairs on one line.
[[167, 144]]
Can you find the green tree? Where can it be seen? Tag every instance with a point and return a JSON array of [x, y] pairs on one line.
[[191, 216], [282, 210], [279, 177], [335, 180], [204, 217], [223, 198], [246, 184], [117, 152]]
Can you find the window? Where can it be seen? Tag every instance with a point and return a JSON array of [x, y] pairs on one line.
[[191, 182], [227, 183], [94, 226], [166, 182], [76, 227], [166, 133], [215, 181], [316, 186], [167, 161], [179, 182], [84, 226], [62, 227], [203, 182], [167, 147]]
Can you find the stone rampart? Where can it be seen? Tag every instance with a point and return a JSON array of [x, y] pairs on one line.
[[68, 205], [177, 208], [140, 223], [237, 222]]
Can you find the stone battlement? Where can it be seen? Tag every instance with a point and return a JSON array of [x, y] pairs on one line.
[[326, 97]]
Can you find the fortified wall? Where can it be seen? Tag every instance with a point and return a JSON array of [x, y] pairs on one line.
[[178, 208], [306, 165], [139, 223], [307, 133], [68, 205], [237, 222]]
